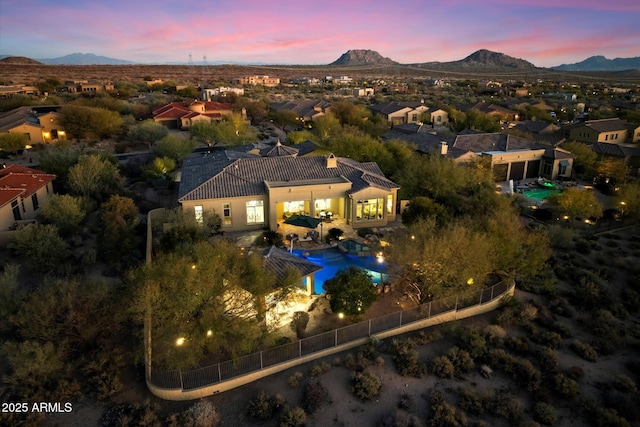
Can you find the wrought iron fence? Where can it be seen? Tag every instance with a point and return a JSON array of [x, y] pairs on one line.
[[202, 377]]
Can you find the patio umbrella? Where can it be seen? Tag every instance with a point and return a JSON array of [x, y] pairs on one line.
[[303, 221]]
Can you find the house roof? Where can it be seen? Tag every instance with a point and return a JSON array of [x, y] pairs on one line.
[[615, 150], [21, 181], [177, 110], [303, 108], [278, 261], [535, 126], [279, 150], [492, 108], [27, 115], [215, 175], [558, 153], [480, 142], [393, 107], [603, 125]]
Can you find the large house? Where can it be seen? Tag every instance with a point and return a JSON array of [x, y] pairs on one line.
[[257, 81], [41, 124], [22, 191], [398, 113], [252, 192], [613, 131], [308, 109], [181, 115]]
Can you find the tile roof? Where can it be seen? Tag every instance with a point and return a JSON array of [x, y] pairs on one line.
[[279, 150], [278, 261], [215, 175], [606, 125], [176, 110], [21, 181], [615, 150], [492, 142]]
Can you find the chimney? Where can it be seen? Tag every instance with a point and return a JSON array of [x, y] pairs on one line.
[[332, 161], [444, 148]]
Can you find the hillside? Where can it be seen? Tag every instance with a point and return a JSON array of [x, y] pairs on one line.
[[600, 63], [487, 58], [19, 60], [84, 59], [362, 57]]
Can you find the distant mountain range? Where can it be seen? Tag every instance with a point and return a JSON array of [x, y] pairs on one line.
[[482, 59], [600, 63]]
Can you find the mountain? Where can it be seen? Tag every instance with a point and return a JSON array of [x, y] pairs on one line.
[[489, 59], [84, 59], [600, 63], [362, 57], [18, 60]]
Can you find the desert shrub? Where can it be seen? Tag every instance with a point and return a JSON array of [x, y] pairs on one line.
[[201, 414], [461, 360], [138, 414], [561, 307], [293, 417], [495, 334], [399, 418], [562, 329], [427, 336], [575, 373], [442, 367], [606, 417], [369, 350], [527, 374], [548, 360], [630, 300], [366, 385], [528, 313], [405, 402], [565, 386], [548, 339], [545, 413], [315, 395], [337, 361], [320, 369], [472, 341], [263, 407], [518, 344], [350, 362], [299, 322], [582, 246], [470, 401], [294, 379], [405, 358], [625, 384], [443, 414], [584, 350]]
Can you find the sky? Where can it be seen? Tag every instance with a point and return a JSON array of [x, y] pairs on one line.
[[543, 32]]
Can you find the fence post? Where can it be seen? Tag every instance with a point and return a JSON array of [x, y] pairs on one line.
[[181, 383], [261, 361], [400, 317], [300, 348], [369, 327], [492, 292], [336, 337], [429, 312], [480, 302], [219, 373], [456, 307]]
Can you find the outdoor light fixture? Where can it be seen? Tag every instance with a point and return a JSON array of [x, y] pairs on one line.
[[209, 333], [470, 281], [341, 315], [180, 341]]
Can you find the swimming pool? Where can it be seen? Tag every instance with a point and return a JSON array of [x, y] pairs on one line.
[[333, 260], [540, 194]]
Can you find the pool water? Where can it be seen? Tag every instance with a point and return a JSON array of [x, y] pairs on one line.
[[333, 260], [540, 194]]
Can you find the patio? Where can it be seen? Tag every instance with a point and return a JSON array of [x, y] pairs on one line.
[[322, 231]]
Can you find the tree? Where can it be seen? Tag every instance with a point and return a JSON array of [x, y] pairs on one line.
[[147, 132], [160, 167], [76, 120], [284, 118], [174, 147], [12, 142], [119, 217], [58, 159], [585, 157], [65, 212], [577, 203], [420, 208], [94, 176], [41, 247], [610, 168], [105, 123], [351, 291], [326, 127], [11, 294], [629, 200]]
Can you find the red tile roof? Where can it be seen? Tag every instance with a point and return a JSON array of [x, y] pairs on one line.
[[177, 110], [21, 181]]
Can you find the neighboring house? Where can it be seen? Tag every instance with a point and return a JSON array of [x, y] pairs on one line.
[[41, 124], [87, 87], [629, 155], [9, 91], [422, 137], [360, 92], [253, 193], [208, 94], [513, 157], [438, 117], [257, 81], [308, 109], [591, 131], [181, 115], [634, 133], [493, 110], [22, 191], [398, 113], [536, 127]]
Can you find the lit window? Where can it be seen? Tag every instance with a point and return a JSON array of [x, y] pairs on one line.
[[226, 213], [368, 210], [255, 212], [198, 214], [390, 203]]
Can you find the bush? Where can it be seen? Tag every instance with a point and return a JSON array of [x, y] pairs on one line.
[[565, 386], [461, 360], [442, 367], [443, 414], [545, 413], [320, 369], [584, 350], [315, 395], [472, 341], [299, 322], [366, 385], [202, 414], [293, 417], [294, 379], [263, 407], [405, 357]]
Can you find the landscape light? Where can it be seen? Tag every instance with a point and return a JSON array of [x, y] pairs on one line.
[[341, 315], [180, 341], [209, 333]]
